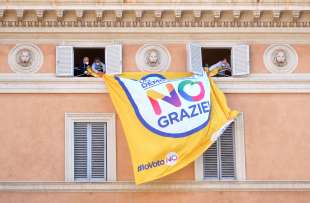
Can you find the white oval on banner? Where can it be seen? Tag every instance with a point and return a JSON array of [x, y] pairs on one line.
[[170, 108]]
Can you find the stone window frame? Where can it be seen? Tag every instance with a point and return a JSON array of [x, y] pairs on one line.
[[239, 146], [109, 118]]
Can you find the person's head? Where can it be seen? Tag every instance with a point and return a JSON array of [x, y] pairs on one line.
[[97, 61], [86, 60], [224, 60]]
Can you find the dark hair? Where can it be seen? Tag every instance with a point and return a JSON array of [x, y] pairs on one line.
[[97, 58]]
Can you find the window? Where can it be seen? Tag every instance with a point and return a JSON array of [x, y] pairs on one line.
[[91, 54], [211, 56], [69, 59], [219, 159], [233, 59], [89, 151], [225, 159], [90, 147]]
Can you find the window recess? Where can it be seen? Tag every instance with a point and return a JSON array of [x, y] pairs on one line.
[[69, 59], [237, 56]]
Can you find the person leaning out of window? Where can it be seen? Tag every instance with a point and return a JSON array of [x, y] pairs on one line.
[[98, 66], [220, 69], [81, 71]]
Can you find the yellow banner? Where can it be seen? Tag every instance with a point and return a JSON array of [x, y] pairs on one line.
[[169, 119]]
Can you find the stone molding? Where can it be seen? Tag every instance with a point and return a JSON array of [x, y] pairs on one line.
[[101, 36], [162, 54], [180, 186], [239, 147], [167, 15], [109, 118], [35, 54], [254, 83], [289, 57]]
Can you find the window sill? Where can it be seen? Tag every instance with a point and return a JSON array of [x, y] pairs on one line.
[[254, 83], [189, 186]]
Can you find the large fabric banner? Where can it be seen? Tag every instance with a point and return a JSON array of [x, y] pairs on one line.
[[169, 119]]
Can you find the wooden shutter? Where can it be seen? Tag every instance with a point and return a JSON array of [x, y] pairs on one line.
[[227, 153], [194, 58], [211, 162], [219, 159], [98, 150], [80, 151], [64, 61], [90, 151], [240, 60], [113, 59]]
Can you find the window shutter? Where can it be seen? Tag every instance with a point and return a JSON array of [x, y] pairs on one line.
[[240, 60], [194, 58], [64, 61], [113, 59], [98, 150], [219, 159], [227, 152], [80, 150], [211, 162]]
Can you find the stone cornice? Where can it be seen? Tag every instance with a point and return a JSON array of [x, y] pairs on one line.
[[254, 83], [188, 186], [159, 15], [224, 5]]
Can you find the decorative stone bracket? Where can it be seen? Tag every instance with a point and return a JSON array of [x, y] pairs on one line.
[[147, 16]]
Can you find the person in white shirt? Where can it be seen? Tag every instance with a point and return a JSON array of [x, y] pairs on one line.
[[220, 68]]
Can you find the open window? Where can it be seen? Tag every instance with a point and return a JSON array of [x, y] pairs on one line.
[[225, 61], [213, 56], [69, 60], [85, 57]]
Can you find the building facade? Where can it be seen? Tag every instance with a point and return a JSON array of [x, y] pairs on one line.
[[62, 140]]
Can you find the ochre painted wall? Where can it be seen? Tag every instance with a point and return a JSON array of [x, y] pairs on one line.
[[49, 62], [276, 135], [257, 58], [153, 197], [178, 57], [32, 132], [177, 52]]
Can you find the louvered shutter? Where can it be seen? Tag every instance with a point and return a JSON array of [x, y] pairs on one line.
[[64, 61], [194, 58], [227, 153], [219, 159], [80, 151], [98, 150], [113, 59], [240, 60], [211, 162]]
